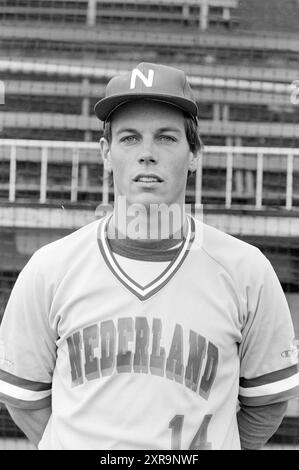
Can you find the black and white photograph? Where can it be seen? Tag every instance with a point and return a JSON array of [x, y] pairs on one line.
[[149, 228]]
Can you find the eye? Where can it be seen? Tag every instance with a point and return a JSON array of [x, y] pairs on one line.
[[129, 139], [168, 139]]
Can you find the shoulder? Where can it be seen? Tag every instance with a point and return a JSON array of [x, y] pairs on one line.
[[63, 252], [71, 241], [234, 255], [243, 267]]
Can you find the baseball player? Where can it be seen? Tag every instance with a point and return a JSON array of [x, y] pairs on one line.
[[121, 337]]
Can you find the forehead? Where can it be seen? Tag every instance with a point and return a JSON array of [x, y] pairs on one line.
[[152, 113]]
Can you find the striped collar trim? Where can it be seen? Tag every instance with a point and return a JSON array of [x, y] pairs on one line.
[[144, 292], [157, 252]]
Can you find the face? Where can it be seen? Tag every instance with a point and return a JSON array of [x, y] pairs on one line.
[[149, 154]]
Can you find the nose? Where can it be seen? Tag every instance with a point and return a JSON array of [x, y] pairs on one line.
[[147, 155]]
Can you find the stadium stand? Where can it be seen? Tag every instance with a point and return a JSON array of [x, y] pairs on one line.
[[241, 57]]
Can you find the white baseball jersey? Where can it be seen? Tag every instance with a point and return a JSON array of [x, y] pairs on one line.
[[146, 365]]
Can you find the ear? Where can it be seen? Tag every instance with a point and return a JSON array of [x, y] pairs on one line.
[[193, 160], [105, 154]]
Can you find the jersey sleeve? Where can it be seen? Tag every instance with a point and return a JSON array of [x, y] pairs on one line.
[[268, 352], [27, 342]]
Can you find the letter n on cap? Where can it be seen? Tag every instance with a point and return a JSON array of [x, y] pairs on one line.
[[148, 81]]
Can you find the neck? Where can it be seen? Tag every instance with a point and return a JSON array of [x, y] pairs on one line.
[[152, 224]]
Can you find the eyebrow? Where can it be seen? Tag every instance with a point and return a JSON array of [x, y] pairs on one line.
[[169, 129], [161, 129], [129, 130]]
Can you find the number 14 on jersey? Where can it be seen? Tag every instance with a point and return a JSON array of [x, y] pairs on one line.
[[199, 441]]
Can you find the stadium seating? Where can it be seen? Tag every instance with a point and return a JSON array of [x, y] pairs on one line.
[[56, 57]]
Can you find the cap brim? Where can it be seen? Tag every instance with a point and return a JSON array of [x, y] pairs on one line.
[[106, 106]]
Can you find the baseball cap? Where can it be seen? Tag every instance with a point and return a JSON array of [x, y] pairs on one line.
[[148, 81]]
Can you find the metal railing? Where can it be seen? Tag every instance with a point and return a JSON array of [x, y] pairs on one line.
[[230, 177], [89, 11]]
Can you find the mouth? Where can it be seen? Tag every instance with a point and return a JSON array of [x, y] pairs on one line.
[[147, 178]]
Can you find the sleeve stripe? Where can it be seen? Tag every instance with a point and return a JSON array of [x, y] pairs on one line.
[[268, 399], [28, 405], [269, 378], [23, 383], [22, 393], [271, 388]]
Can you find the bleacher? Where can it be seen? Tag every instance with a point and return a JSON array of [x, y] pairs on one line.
[[56, 57], [55, 75], [202, 13]]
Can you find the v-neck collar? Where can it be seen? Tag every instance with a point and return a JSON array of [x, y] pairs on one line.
[[147, 291]]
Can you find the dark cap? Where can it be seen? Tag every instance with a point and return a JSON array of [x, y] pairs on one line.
[[148, 81]]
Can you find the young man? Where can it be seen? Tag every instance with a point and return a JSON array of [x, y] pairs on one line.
[[148, 329]]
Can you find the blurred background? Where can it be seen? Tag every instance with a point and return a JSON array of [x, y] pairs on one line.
[[242, 59]]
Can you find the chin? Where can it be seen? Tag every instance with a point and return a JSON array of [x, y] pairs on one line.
[[148, 199]]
